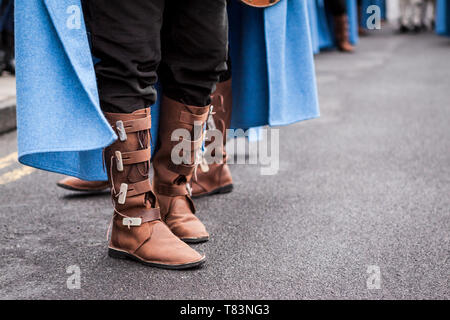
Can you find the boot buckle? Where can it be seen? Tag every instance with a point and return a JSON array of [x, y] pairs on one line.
[[189, 189], [132, 222], [210, 122], [119, 161], [121, 130], [204, 165], [123, 193]]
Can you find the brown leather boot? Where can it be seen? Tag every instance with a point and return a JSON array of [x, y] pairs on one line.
[[342, 34], [215, 177], [75, 184], [137, 230], [171, 178]]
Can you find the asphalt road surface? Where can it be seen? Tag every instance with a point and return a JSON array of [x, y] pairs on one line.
[[362, 194]]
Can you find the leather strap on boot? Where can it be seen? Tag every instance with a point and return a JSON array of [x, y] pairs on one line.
[[216, 177], [171, 179], [128, 162], [175, 115]]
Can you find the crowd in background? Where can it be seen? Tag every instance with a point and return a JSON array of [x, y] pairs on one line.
[[417, 15], [414, 16]]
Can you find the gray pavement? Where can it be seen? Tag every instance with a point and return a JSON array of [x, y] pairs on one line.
[[368, 184]]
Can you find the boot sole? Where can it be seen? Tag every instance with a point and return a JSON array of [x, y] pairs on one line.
[[195, 240], [118, 254], [80, 190], [222, 190]]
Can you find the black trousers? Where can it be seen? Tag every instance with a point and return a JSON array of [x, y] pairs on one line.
[[336, 7], [184, 42]]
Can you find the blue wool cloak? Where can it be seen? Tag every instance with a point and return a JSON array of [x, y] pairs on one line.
[[60, 124], [443, 17]]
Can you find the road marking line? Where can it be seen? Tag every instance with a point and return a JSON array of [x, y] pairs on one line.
[[15, 175], [8, 160]]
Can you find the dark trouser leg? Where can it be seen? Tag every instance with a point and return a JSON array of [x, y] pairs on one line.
[[126, 39], [194, 56], [195, 49], [225, 76], [336, 7]]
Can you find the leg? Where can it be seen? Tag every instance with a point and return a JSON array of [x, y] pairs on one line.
[[338, 9], [126, 38], [417, 8], [129, 52], [432, 14], [195, 43], [404, 8], [214, 177]]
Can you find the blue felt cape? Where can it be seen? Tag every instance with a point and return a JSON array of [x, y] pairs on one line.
[[60, 125], [443, 17]]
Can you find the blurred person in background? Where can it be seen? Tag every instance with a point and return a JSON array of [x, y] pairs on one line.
[[428, 14], [7, 60], [338, 9], [410, 15]]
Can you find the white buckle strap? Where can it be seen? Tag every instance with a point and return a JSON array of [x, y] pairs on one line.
[[204, 165], [210, 122], [189, 189], [132, 222], [123, 193], [120, 128], [119, 161]]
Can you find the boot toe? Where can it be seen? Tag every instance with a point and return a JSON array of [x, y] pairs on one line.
[[192, 232], [75, 184], [165, 249], [190, 229]]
